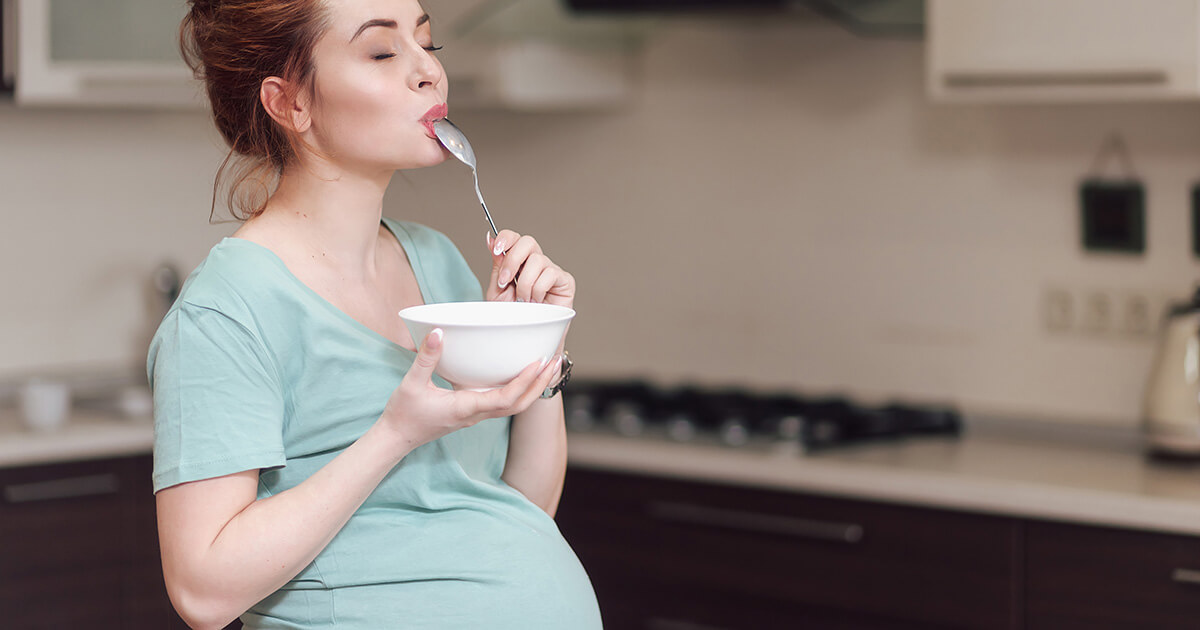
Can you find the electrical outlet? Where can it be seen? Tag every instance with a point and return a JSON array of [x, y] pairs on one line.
[[1058, 311], [1094, 312], [1134, 315]]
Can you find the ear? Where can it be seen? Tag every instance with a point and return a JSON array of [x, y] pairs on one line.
[[285, 105]]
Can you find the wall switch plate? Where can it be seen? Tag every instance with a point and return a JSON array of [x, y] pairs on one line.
[[1113, 216]]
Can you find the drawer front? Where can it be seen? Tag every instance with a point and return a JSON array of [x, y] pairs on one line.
[[637, 605], [902, 564], [62, 546], [1098, 578]]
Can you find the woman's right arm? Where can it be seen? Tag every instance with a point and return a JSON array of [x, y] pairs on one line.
[[223, 551]]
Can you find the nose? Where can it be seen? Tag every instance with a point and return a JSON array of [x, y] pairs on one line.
[[427, 72]]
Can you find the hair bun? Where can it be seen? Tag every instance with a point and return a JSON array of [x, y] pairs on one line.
[[205, 7]]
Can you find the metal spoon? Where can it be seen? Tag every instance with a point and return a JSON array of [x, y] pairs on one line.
[[455, 141]]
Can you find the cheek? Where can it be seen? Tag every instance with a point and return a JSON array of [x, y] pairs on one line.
[[354, 106]]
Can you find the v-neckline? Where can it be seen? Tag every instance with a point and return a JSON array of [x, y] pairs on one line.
[[410, 252]]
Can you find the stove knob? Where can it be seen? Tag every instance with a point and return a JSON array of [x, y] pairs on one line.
[[680, 428], [789, 428], [627, 419], [579, 412], [734, 432], [825, 432], [580, 420]]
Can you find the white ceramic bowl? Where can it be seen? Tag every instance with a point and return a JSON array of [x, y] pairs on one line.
[[487, 344]]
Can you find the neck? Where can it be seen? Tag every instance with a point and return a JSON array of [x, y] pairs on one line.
[[334, 219]]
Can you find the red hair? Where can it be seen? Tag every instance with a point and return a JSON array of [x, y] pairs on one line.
[[233, 45]]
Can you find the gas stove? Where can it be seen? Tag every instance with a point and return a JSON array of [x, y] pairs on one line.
[[739, 418]]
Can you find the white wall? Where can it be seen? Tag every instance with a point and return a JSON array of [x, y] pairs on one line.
[[780, 207]]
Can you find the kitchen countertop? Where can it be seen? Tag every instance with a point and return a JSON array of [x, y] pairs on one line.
[[1032, 471], [86, 435], [996, 468]]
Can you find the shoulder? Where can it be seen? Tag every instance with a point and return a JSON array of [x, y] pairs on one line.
[[223, 311], [237, 279]]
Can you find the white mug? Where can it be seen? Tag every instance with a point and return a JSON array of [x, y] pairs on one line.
[[44, 404]]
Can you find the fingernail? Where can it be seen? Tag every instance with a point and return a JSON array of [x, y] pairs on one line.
[[436, 335], [488, 238], [498, 247], [504, 278], [545, 362]]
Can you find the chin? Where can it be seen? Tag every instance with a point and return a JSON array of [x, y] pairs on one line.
[[415, 162]]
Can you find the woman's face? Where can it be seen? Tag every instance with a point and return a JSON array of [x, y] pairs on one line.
[[377, 86]]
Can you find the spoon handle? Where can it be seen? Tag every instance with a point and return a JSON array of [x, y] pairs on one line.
[[487, 214]]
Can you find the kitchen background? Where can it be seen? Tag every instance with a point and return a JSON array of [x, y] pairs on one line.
[[778, 204], [770, 200]]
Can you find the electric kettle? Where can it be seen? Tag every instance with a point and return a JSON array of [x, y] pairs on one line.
[[1171, 407]]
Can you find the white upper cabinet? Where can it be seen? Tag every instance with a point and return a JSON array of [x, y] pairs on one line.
[[1063, 50], [503, 54], [100, 52]]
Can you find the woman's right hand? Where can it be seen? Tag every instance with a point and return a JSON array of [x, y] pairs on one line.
[[419, 411]]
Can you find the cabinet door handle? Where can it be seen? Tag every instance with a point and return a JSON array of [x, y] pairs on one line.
[[66, 488], [1031, 79], [848, 533], [1186, 576], [660, 623]]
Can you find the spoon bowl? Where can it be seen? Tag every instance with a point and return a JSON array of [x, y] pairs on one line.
[[456, 143]]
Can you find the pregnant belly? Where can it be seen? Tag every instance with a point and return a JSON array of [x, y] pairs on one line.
[[471, 571]]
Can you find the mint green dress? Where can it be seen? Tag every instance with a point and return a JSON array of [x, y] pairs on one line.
[[251, 369]]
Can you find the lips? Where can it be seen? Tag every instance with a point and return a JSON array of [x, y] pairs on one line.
[[435, 113]]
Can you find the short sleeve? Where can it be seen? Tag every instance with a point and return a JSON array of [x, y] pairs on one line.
[[218, 401]]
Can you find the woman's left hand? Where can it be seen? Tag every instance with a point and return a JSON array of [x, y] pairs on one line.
[[522, 273]]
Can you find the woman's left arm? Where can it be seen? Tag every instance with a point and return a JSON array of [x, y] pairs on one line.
[[537, 443]]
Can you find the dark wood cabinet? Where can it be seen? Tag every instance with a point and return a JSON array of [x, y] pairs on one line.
[[667, 553], [79, 548], [63, 545], [1102, 579]]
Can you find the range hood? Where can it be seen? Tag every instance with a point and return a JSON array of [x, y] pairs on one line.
[[864, 17], [535, 55], [539, 55]]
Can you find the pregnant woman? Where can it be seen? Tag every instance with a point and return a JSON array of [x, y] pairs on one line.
[[310, 469]]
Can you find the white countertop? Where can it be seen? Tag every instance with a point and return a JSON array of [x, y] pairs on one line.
[[1013, 473], [86, 435], [1088, 482]]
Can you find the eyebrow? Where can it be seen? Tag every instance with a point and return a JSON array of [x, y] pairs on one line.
[[385, 23]]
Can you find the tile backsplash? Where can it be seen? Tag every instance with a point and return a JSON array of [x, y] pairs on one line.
[[780, 206]]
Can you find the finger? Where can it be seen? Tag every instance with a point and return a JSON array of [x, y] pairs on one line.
[[534, 267], [562, 292], [509, 294], [497, 259], [547, 280], [545, 376], [497, 246], [518, 253], [501, 401], [503, 242], [427, 357]]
